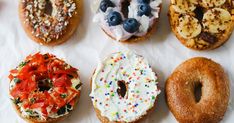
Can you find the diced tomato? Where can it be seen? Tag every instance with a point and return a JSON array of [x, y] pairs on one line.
[[60, 102], [11, 77], [62, 81], [14, 71], [42, 68], [54, 109], [44, 111], [23, 95], [37, 105], [26, 104], [15, 92], [71, 71], [60, 90]]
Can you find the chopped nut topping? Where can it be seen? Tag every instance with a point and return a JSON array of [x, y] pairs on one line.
[[48, 27]]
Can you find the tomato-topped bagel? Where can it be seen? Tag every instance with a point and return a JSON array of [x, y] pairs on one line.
[[50, 22], [44, 88], [127, 20]]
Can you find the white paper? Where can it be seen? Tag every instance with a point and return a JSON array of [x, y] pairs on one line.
[[87, 46]]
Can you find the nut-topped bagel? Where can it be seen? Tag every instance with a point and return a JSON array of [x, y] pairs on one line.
[[202, 24], [127, 20], [44, 88], [50, 22]]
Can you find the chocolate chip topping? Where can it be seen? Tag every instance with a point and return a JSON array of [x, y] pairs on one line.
[[206, 36]]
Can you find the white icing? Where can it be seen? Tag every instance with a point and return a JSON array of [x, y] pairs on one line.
[[140, 80], [100, 17]]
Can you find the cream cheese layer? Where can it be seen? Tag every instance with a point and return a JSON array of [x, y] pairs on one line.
[[118, 32], [140, 81]]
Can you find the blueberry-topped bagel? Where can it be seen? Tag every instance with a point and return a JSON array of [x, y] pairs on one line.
[[127, 20], [202, 24], [49, 22]]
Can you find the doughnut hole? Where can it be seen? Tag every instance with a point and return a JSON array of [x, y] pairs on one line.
[[124, 8], [122, 88], [198, 91], [48, 8], [44, 85]]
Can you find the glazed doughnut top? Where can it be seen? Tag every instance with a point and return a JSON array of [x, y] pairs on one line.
[[140, 82], [44, 87], [123, 19], [44, 25]]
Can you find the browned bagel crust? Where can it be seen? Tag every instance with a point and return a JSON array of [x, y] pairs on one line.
[[180, 88], [135, 39], [104, 119], [203, 45], [70, 29]]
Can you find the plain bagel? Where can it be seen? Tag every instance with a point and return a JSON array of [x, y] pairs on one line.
[[180, 89]]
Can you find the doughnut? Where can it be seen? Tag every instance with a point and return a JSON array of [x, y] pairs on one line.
[[182, 87], [123, 88], [44, 88], [127, 20], [202, 24], [49, 22]]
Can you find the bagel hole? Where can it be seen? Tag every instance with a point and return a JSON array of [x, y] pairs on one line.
[[124, 8], [44, 85], [199, 12], [48, 8], [121, 88], [198, 92]]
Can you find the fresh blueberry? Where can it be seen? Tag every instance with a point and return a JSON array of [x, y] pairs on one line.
[[131, 25], [105, 4], [114, 18], [143, 1], [144, 9]]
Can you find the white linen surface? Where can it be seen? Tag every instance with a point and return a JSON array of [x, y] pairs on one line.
[[84, 50]]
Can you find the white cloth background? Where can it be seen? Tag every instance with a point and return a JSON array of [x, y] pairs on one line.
[[87, 46]]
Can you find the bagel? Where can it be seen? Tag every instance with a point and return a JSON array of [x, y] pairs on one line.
[[202, 24], [182, 85], [127, 20], [50, 22], [44, 88], [123, 88]]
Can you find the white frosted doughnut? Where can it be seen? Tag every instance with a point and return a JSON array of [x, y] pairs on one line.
[[116, 71]]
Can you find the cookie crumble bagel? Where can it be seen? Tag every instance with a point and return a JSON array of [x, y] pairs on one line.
[[202, 24], [49, 22], [44, 88], [184, 99], [127, 20], [124, 88]]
